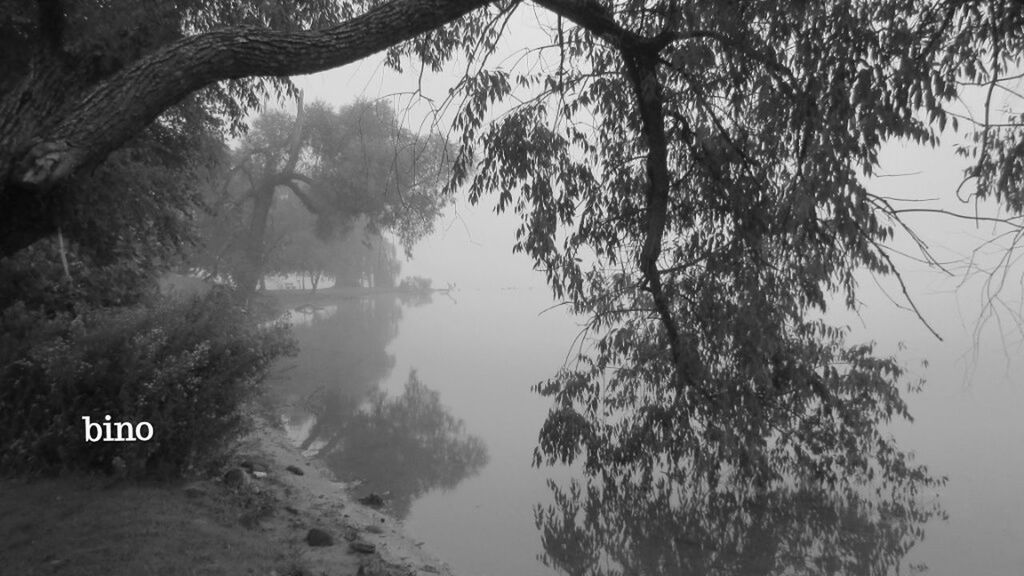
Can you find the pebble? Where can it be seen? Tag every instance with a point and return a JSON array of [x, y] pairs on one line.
[[253, 466], [372, 499], [317, 537], [236, 478], [362, 547]]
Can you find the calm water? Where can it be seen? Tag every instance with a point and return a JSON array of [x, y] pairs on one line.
[[430, 404]]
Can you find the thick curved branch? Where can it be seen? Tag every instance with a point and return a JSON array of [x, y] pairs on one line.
[[289, 181], [70, 131], [115, 109]]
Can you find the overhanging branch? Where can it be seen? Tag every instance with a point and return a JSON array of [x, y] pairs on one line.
[[115, 109]]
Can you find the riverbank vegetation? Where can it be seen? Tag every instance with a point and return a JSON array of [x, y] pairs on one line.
[[95, 339]]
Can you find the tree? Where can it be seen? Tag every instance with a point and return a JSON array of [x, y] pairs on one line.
[[364, 259], [359, 258], [707, 156], [354, 168], [294, 248]]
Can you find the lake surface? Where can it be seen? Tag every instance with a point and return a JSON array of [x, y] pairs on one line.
[[429, 403]]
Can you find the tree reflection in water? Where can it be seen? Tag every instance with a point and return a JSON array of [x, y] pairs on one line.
[[344, 352], [663, 531], [404, 446]]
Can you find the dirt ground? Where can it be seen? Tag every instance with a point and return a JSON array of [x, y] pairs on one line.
[[257, 525]]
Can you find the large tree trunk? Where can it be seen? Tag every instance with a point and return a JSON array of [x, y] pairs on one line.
[[263, 203], [255, 250], [27, 110]]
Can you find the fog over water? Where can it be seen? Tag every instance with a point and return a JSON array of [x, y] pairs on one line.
[[483, 346]]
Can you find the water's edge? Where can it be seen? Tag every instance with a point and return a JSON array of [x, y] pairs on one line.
[[316, 499]]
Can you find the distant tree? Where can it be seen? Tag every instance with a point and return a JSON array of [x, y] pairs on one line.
[[354, 167], [294, 248], [366, 260], [415, 284], [358, 258]]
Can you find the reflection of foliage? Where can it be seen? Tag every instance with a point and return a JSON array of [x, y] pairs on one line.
[[406, 445], [756, 404], [415, 291], [415, 299], [669, 531], [802, 406], [804, 411], [347, 351]]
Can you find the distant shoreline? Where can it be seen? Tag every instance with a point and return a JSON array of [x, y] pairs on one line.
[[292, 295]]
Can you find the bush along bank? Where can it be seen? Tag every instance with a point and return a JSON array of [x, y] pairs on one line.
[[185, 367]]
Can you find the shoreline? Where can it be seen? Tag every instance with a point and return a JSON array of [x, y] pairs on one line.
[[254, 517], [319, 501], [296, 296]]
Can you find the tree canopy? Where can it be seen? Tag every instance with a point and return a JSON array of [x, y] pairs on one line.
[[688, 173], [346, 170]]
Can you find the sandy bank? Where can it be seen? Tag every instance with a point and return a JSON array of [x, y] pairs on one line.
[[256, 520], [317, 500]]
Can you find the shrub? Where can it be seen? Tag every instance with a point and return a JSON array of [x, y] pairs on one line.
[[36, 278], [186, 367], [414, 284]]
